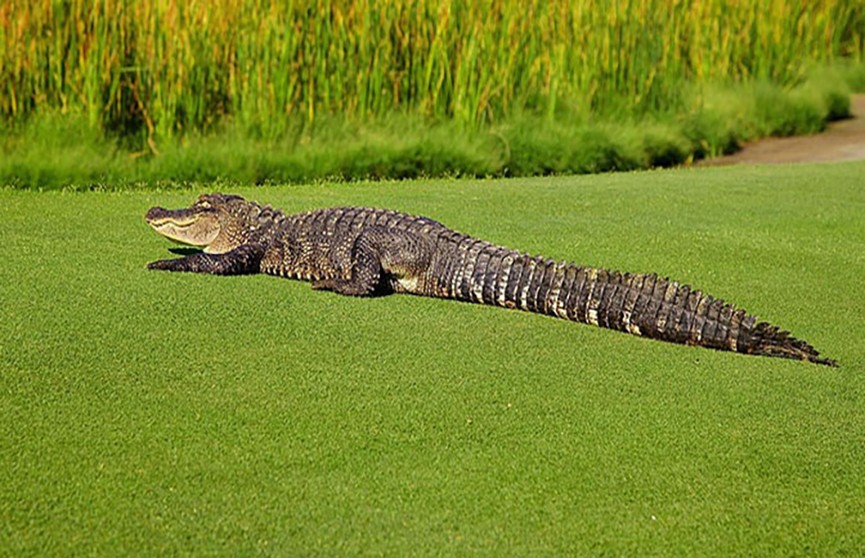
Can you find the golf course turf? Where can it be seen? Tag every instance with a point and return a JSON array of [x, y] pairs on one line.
[[154, 413]]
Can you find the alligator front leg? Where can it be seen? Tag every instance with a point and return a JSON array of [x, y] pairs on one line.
[[381, 257], [245, 259]]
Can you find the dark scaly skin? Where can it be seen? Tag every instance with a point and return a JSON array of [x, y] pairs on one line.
[[365, 252]]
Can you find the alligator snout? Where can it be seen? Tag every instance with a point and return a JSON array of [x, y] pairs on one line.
[[179, 217], [156, 214]]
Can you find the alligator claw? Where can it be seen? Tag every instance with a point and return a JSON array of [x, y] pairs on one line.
[[162, 264]]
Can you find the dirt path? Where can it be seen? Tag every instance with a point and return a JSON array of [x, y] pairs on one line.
[[841, 141]]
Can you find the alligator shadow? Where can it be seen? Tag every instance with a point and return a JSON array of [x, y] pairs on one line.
[[184, 250]]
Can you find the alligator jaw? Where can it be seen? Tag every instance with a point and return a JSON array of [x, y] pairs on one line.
[[159, 215], [183, 225]]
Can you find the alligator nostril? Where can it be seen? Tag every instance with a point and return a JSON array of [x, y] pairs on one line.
[[155, 213]]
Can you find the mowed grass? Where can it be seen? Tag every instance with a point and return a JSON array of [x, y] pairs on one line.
[[146, 412]]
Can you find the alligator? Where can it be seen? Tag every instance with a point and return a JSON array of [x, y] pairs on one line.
[[362, 251]]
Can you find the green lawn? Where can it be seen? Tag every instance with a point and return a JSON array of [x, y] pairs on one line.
[[147, 412]]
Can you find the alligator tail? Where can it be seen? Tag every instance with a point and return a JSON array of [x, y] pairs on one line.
[[640, 304]]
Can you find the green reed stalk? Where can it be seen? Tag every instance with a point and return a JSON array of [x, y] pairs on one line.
[[158, 68]]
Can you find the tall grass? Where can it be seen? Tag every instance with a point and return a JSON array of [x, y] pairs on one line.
[[61, 151], [158, 68]]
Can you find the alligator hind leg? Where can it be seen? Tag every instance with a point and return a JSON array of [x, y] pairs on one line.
[[379, 257], [244, 259]]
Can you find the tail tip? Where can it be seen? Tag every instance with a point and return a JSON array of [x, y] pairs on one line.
[[817, 359], [771, 341]]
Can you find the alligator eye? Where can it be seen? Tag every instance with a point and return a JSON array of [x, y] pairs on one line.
[[204, 204]]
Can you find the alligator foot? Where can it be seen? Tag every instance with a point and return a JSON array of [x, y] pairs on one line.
[[242, 260], [367, 287]]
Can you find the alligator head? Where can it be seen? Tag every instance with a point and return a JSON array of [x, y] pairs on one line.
[[216, 223]]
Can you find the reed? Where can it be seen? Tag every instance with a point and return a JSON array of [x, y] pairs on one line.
[[158, 68]]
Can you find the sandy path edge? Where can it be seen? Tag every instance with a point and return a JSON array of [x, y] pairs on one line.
[[841, 141]]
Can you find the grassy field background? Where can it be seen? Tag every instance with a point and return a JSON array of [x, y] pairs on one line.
[[144, 412]]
